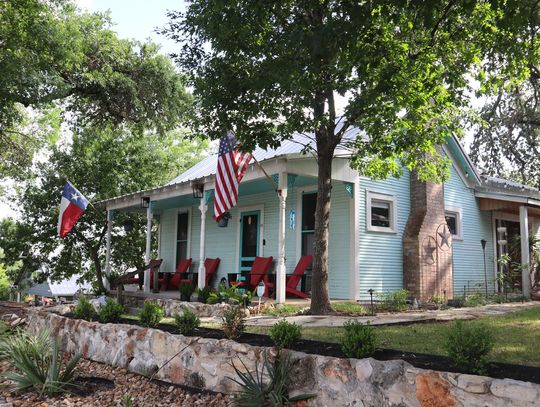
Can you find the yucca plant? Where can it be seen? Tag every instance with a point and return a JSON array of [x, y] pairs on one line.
[[258, 392], [36, 362]]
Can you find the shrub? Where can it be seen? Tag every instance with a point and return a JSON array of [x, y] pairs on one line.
[[284, 333], [396, 300], [359, 340], [151, 314], [111, 311], [234, 322], [204, 293], [468, 345], [85, 310], [257, 391], [37, 362], [186, 289], [187, 323], [475, 300]]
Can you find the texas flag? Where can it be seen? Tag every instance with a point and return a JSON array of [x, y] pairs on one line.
[[72, 206]]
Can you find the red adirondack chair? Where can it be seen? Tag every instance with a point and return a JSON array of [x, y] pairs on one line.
[[293, 279], [211, 266], [181, 271], [259, 269], [155, 264]]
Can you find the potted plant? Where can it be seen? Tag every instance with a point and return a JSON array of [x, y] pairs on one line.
[[185, 291], [224, 221]]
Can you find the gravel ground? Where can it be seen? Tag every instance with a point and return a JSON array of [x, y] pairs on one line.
[[139, 389]]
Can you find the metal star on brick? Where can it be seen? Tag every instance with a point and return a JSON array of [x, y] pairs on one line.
[[429, 250], [445, 237]]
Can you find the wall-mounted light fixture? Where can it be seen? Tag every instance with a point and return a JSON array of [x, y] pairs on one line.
[[198, 190], [145, 202]]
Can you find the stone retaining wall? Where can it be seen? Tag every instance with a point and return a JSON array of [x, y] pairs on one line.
[[172, 307], [206, 363]]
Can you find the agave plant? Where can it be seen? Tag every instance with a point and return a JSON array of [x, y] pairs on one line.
[[258, 392], [36, 362]]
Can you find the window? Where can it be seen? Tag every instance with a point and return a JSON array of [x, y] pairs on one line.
[[453, 220], [309, 201], [381, 213], [181, 237]]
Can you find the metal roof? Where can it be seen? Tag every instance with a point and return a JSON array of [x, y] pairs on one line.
[[297, 144], [64, 288]]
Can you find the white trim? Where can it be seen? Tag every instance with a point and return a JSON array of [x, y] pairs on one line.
[[250, 208], [392, 200], [458, 213], [495, 257], [188, 210], [464, 178], [354, 253]]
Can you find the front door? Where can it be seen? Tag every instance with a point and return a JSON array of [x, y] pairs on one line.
[[249, 239]]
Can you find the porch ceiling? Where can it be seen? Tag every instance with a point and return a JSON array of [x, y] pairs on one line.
[[490, 204]]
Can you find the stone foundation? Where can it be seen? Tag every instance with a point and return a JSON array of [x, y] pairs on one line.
[[206, 363]]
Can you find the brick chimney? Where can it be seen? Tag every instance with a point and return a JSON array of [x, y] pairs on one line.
[[427, 243]]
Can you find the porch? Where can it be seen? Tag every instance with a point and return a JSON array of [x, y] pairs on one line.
[[515, 226], [274, 218]]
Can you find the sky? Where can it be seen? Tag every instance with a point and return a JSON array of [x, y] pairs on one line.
[[137, 19], [133, 19]]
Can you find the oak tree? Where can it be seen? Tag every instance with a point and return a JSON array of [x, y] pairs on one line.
[[268, 70]]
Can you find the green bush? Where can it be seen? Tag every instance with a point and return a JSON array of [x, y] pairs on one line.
[[475, 300], [111, 311], [37, 362], [359, 340], [85, 310], [396, 300], [204, 293], [284, 333], [151, 314], [234, 322], [187, 323], [469, 344], [186, 290]]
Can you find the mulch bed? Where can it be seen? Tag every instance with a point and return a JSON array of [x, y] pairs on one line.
[[433, 362], [107, 386]]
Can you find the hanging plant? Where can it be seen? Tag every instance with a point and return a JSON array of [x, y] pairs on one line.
[[224, 221]]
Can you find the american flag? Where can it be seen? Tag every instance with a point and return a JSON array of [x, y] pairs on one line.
[[231, 167]]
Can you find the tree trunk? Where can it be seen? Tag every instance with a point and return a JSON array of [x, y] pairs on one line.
[[320, 301], [97, 264]]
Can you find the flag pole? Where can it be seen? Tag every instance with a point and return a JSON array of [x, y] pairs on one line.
[[268, 177]]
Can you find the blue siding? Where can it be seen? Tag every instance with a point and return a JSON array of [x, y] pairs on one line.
[[468, 263], [223, 242], [381, 254]]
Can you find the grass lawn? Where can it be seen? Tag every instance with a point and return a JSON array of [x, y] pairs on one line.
[[517, 336]]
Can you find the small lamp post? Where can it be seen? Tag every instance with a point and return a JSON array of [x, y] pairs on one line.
[[483, 243], [261, 288], [371, 291]]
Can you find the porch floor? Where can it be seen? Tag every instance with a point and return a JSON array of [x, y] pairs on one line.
[[133, 291]]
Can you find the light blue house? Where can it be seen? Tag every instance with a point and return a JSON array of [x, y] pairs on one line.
[[384, 235]]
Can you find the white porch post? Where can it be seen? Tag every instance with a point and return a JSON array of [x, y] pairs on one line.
[[108, 250], [148, 247], [524, 233], [281, 271], [203, 207]]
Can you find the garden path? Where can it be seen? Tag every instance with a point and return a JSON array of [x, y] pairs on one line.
[[397, 318]]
